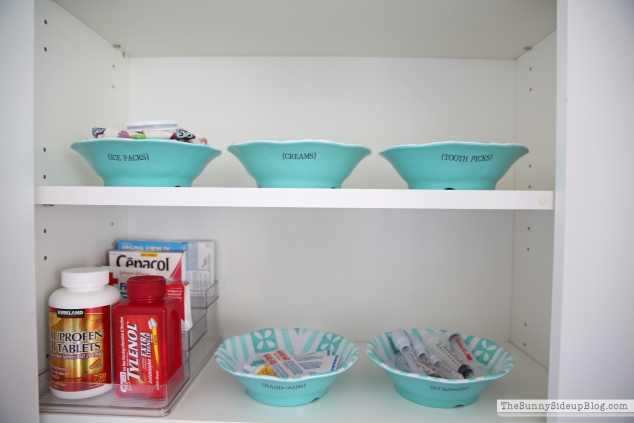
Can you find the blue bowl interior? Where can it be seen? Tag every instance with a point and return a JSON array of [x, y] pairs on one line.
[[233, 353], [298, 164], [453, 164], [148, 162], [437, 392]]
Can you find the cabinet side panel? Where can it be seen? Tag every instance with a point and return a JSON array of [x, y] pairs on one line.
[[354, 272], [535, 106], [376, 102], [535, 115], [532, 283], [68, 237], [18, 385], [594, 249], [81, 81]]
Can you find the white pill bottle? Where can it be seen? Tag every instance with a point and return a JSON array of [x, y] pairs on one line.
[[80, 333]]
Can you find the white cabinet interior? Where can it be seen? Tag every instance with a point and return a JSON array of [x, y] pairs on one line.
[[356, 272]]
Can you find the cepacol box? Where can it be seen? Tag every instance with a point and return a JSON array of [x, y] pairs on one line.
[[169, 265]]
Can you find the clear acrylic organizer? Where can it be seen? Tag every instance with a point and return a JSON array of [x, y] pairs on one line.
[[199, 344]]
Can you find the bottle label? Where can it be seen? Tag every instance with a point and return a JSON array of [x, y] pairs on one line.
[[138, 362], [80, 348]]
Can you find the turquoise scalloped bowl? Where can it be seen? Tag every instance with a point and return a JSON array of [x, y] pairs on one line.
[[298, 164], [145, 163], [437, 392], [233, 353], [453, 164]]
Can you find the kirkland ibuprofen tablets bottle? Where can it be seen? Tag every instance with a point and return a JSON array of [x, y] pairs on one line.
[[147, 331], [80, 333]]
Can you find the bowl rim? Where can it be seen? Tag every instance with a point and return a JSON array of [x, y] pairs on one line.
[[147, 140], [302, 141], [369, 350], [294, 380], [465, 143]]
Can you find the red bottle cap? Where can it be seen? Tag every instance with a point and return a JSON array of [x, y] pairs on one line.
[[146, 288]]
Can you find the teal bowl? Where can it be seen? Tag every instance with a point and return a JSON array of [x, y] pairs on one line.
[[298, 164], [453, 164], [233, 353], [145, 163], [437, 392]]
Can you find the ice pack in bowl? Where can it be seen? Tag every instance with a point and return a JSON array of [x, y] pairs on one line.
[[298, 164], [237, 351], [145, 163], [439, 392], [453, 164]]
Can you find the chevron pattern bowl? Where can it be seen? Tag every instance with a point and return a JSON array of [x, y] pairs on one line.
[[437, 392], [233, 353]]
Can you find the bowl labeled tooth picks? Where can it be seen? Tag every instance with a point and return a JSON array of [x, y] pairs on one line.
[[453, 164], [300, 163], [494, 361], [252, 349]]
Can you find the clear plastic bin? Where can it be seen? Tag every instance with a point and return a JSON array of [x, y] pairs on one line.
[[199, 344]]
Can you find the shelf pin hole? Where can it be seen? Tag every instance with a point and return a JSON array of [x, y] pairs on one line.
[[44, 230], [45, 23], [45, 49], [530, 166], [45, 258], [44, 176], [529, 228], [111, 223], [528, 249], [524, 343], [530, 89], [44, 149], [524, 324], [529, 187]]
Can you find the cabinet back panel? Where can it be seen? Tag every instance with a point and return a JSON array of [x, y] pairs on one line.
[[355, 272], [376, 102], [68, 237]]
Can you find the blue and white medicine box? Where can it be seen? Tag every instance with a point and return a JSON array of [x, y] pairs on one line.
[[200, 265]]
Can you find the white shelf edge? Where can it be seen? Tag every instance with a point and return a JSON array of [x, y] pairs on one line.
[[295, 198], [362, 394]]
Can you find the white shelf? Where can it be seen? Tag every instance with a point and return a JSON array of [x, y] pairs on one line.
[[362, 394], [296, 198]]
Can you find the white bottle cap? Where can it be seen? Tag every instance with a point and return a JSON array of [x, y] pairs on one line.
[[401, 341], [249, 369], [85, 277], [418, 346], [159, 125]]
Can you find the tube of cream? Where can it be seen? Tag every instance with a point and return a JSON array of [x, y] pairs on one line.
[[402, 343], [320, 362], [283, 364], [461, 349], [434, 342], [262, 369]]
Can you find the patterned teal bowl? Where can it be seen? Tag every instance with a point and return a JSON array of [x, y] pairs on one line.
[[298, 164], [437, 392], [247, 349], [453, 164], [145, 163]]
